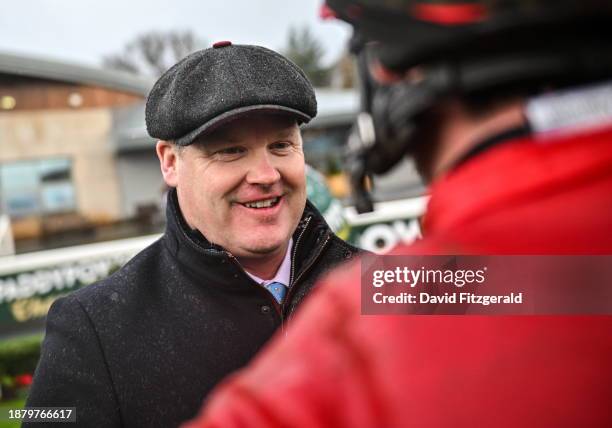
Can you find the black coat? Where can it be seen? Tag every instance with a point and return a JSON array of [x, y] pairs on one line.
[[143, 347]]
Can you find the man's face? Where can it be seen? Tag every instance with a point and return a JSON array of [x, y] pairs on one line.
[[244, 186]]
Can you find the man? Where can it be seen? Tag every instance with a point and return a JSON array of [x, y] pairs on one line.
[[242, 248], [489, 98]]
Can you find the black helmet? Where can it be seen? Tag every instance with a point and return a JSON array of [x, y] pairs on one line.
[[435, 48]]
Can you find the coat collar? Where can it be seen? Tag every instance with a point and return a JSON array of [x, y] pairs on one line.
[[214, 263]]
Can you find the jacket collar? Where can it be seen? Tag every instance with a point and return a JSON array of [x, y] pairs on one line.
[[213, 262], [524, 168]]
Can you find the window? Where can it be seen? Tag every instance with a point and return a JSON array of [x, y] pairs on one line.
[[36, 187]]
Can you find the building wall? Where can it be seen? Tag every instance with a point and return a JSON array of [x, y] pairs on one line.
[[37, 94], [81, 135], [140, 180]]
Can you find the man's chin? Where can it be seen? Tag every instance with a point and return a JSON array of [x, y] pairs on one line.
[[262, 249]]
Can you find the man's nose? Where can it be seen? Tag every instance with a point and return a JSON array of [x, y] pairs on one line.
[[262, 170]]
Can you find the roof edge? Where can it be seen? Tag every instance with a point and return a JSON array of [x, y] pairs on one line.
[[63, 71]]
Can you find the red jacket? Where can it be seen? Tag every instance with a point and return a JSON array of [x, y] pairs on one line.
[[337, 368]]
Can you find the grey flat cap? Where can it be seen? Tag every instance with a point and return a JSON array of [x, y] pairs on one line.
[[213, 86]]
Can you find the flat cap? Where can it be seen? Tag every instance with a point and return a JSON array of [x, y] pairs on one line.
[[213, 86]]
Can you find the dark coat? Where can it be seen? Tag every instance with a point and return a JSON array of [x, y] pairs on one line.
[[143, 347]]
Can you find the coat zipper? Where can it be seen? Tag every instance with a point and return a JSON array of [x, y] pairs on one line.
[[293, 281], [295, 247], [314, 259], [288, 296]]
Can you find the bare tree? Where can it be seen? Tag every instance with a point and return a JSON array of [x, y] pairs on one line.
[[154, 52]]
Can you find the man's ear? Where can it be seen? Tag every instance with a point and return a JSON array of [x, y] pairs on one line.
[[168, 161]]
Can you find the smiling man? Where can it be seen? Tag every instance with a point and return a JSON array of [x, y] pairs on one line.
[[243, 187], [241, 250]]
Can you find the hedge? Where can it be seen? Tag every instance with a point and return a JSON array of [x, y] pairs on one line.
[[19, 355]]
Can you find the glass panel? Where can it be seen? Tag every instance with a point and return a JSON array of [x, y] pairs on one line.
[[19, 183], [23, 204], [57, 197], [37, 187], [19, 175]]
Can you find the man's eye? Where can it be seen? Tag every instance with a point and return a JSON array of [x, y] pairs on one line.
[[229, 153], [281, 146], [231, 150]]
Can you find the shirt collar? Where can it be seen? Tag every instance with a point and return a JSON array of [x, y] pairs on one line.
[[283, 274]]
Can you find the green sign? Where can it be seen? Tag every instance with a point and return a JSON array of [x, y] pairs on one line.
[[26, 296]]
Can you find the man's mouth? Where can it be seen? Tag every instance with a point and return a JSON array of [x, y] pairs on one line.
[[264, 203]]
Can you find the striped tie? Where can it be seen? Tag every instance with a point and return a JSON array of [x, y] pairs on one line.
[[278, 290]]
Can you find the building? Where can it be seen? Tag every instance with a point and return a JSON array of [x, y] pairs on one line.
[[58, 170]]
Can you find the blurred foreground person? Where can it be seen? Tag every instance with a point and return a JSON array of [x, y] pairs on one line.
[[241, 250], [506, 107]]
